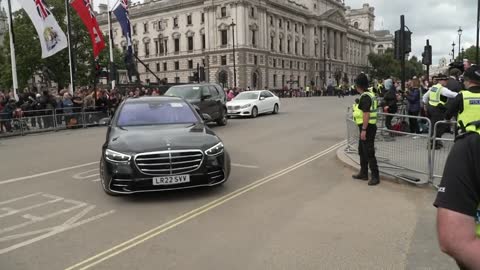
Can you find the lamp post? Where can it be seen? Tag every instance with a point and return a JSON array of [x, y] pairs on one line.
[[453, 51], [463, 54], [459, 40], [325, 62], [234, 60]]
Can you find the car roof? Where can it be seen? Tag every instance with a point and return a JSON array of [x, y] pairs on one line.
[[254, 91], [156, 98], [194, 84]]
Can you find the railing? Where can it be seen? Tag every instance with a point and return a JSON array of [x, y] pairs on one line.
[[409, 154], [34, 121]]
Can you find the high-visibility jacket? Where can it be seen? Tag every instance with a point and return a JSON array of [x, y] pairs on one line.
[[435, 96], [373, 109], [471, 112], [357, 114], [478, 221]]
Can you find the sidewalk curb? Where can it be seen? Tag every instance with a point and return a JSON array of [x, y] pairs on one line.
[[348, 162]]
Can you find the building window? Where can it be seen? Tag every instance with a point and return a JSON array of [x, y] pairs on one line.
[[315, 31], [303, 48], [135, 48], [157, 47], [190, 43], [177, 45], [296, 47], [291, 64], [283, 63], [223, 60], [296, 28], [203, 61], [280, 23], [272, 44], [177, 79], [175, 22], [203, 17], [177, 65], [224, 35], [254, 39], [189, 19], [298, 65], [271, 20], [316, 49], [274, 62], [303, 29], [147, 49], [204, 45], [190, 64], [274, 80], [165, 67], [255, 60], [316, 66], [252, 12], [288, 25], [280, 45], [158, 67], [304, 66], [134, 29], [145, 27], [147, 67], [160, 27], [223, 12], [283, 80]]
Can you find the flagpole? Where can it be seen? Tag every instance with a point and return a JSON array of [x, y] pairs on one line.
[[12, 51], [110, 43], [70, 51]]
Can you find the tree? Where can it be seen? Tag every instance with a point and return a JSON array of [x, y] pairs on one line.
[[383, 65], [470, 54]]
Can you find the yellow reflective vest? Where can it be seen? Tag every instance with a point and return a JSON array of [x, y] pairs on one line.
[[434, 98], [357, 114], [373, 109], [471, 111]]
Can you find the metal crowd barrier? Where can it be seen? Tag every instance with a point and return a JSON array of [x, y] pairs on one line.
[[34, 121], [406, 155]]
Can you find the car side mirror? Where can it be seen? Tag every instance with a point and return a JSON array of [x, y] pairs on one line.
[[206, 96], [262, 98], [206, 117]]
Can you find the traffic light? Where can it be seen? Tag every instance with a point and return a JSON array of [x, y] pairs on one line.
[[408, 41], [407, 44], [427, 55], [398, 45]]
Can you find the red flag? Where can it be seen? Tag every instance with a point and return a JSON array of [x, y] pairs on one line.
[[85, 12]]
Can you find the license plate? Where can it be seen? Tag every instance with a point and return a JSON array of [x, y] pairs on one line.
[[171, 180], [231, 111]]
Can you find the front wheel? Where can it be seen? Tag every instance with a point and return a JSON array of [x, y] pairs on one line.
[[275, 109], [254, 112], [223, 119]]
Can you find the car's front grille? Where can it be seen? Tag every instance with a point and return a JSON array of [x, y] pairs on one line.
[[233, 107], [169, 162]]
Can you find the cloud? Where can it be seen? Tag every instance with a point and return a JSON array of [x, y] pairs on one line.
[[436, 20]]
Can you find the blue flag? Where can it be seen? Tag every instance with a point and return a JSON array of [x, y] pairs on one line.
[[121, 12]]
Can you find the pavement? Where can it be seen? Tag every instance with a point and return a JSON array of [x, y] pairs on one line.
[[289, 204]]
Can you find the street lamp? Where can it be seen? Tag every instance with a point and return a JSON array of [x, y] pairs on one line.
[[459, 39], [463, 54], [234, 60], [453, 51]]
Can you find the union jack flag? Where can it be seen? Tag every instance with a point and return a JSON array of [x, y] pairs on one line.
[[89, 7], [42, 9]]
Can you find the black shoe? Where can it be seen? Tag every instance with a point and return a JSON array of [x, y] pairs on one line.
[[360, 177], [375, 181]]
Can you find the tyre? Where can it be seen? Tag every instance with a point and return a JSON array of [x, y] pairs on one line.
[[223, 119], [103, 182], [275, 109], [254, 112]]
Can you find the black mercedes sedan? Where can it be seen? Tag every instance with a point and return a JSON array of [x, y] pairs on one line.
[[161, 143]]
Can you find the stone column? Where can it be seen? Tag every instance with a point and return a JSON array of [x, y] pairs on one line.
[[331, 44], [339, 45]]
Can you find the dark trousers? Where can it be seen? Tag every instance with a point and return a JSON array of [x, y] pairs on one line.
[[366, 150], [413, 122], [437, 114]]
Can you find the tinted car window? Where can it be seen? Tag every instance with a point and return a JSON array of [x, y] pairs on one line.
[[155, 113], [214, 91], [186, 92], [268, 94], [246, 96]]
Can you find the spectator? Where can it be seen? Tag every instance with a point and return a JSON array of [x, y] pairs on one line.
[[67, 107], [453, 81], [390, 102], [413, 97], [230, 95]]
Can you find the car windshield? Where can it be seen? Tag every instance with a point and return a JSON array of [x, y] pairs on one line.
[[246, 96], [186, 92], [156, 113]]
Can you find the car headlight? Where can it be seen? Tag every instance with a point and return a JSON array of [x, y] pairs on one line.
[[117, 157], [246, 106], [215, 150]]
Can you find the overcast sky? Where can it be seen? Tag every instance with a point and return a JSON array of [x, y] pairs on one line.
[[437, 20]]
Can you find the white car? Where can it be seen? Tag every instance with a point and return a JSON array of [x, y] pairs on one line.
[[253, 103]]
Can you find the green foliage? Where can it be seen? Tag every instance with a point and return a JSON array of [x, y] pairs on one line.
[[470, 54], [384, 65]]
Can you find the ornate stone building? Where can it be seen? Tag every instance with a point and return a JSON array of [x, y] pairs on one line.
[[278, 43], [383, 41]]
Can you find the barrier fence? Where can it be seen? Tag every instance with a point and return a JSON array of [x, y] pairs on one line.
[[25, 122], [407, 149]]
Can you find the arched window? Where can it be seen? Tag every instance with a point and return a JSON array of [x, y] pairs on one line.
[[356, 25]]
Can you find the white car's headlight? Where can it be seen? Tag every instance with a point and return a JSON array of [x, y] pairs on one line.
[[246, 106], [215, 150], [117, 157]]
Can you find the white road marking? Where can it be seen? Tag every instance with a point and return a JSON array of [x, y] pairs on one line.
[[12, 180], [245, 166], [139, 239], [96, 180], [20, 198], [86, 174], [12, 211]]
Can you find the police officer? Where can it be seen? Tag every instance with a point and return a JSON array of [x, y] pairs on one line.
[[367, 125], [458, 199], [434, 104]]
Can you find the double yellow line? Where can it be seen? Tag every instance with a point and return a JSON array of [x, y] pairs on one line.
[[107, 254]]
